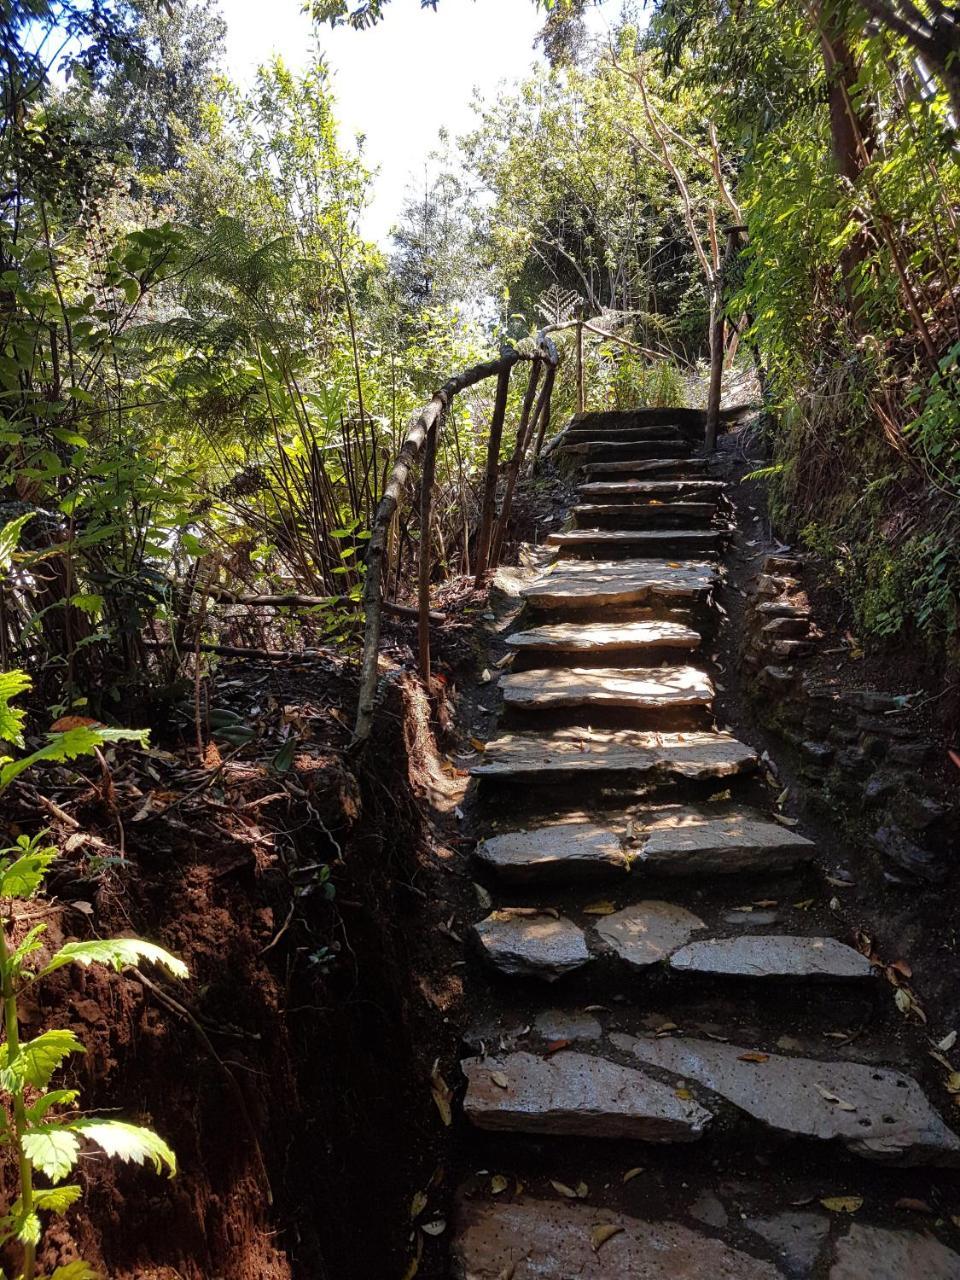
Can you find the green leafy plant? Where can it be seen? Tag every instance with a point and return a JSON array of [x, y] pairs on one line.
[[41, 1124]]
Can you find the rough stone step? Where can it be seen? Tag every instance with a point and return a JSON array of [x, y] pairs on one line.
[[590, 542], [645, 491], [523, 945], [556, 1240], [773, 956], [600, 638], [636, 515], [548, 757], [675, 468], [644, 688], [576, 1094], [687, 840], [574, 435], [579, 586], [874, 1111], [566, 850], [646, 933], [624, 450]]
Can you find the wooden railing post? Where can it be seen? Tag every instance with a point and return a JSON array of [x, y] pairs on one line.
[[543, 410], [717, 341], [426, 516], [581, 391], [513, 467], [490, 477]]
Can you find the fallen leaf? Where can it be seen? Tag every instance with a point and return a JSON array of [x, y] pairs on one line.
[[478, 745], [784, 820], [414, 1265], [683, 1094], [599, 909], [85, 908], [953, 1082], [554, 1045], [802, 906], [842, 1204], [498, 1184], [418, 1204], [753, 1057], [914, 1205], [442, 1094], [632, 1173], [500, 1079], [766, 902], [601, 1233], [485, 676], [562, 1189], [948, 1041], [901, 966], [483, 897]]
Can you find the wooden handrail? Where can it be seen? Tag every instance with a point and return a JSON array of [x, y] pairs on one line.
[[426, 421]]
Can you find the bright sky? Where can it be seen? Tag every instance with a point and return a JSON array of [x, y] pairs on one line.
[[401, 81]]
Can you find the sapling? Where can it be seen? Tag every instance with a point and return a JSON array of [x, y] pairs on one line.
[[42, 1125]]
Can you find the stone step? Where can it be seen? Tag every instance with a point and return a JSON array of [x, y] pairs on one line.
[[687, 840], [571, 751], [577, 585], [526, 942], [624, 450], [626, 435], [545, 1238], [675, 468], [873, 1111], [645, 491], [773, 956], [598, 638], [606, 542], [577, 1095], [637, 515], [566, 850], [643, 688], [557, 1240]]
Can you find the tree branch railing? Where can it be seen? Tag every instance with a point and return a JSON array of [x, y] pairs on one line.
[[423, 437]]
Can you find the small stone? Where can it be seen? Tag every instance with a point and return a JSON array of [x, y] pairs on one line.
[[782, 609], [871, 701], [773, 956], [557, 1024], [550, 1240], [782, 564], [820, 753], [571, 850], [789, 649], [785, 629], [912, 754], [797, 1237], [882, 785], [873, 746], [852, 760], [576, 1094], [538, 946], [750, 919], [909, 856], [918, 812], [888, 726], [882, 1254], [647, 932], [708, 1209], [776, 678]]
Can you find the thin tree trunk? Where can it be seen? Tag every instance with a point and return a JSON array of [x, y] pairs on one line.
[[490, 478]]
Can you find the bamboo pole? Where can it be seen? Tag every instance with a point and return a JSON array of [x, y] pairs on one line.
[[513, 467], [543, 409], [426, 516], [490, 476]]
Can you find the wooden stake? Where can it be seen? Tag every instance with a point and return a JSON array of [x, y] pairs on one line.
[[490, 478], [426, 516]]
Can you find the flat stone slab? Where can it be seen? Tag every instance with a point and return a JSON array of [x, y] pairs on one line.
[[561, 851], [797, 1237], [533, 946], [647, 932], [553, 1240], [687, 840], [876, 1253], [562, 1024], [619, 449], [574, 435], [643, 514], [656, 540], [647, 689], [600, 637], [773, 956], [580, 750], [669, 468], [874, 1111], [665, 491], [576, 585], [570, 1093]]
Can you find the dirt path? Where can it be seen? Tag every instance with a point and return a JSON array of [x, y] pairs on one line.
[[676, 1068]]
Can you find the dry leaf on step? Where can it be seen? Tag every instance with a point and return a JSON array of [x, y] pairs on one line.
[[562, 1189], [498, 1184], [842, 1204], [632, 1173], [442, 1094], [948, 1041], [599, 909], [601, 1233], [418, 1204], [500, 1079], [753, 1057]]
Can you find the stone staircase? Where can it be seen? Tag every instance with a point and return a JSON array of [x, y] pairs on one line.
[[677, 1070]]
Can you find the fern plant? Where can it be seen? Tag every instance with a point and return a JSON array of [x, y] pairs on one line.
[[41, 1124]]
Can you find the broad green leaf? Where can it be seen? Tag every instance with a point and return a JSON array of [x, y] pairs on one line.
[[22, 878], [12, 718], [37, 1059], [70, 744], [10, 539], [51, 1148], [55, 1098], [29, 1229], [75, 1271], [56, 1199], [117, 952], [128, 1142], [30, 944]]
